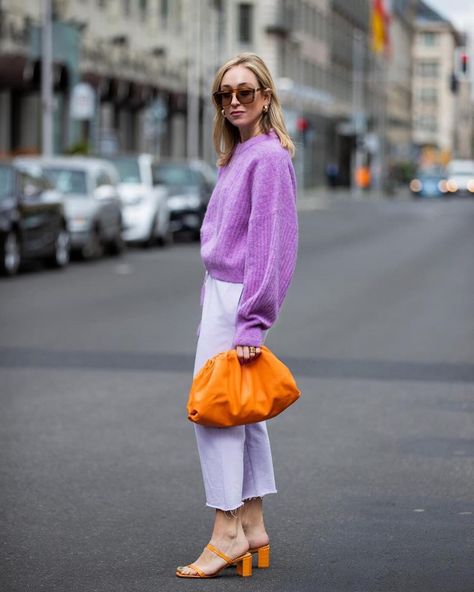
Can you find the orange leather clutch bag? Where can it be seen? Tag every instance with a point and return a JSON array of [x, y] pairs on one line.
[[225, 393]]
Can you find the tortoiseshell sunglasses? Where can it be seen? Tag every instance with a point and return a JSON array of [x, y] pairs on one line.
[[223, 98]]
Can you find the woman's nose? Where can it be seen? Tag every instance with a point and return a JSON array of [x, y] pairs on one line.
[[235, 101]]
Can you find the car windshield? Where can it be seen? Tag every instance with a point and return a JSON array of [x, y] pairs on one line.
[[431, 172], [6, 181], [67, 181], [128, 170], [461, 167], [431, 177], [175, 175]]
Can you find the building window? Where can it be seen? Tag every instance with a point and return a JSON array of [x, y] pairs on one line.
[[178, 16], [428, 95], [101, 3], [164, 10], [126, 7], [428, 69], [245, 23], [429, 39], [426, 123], [143, 9]]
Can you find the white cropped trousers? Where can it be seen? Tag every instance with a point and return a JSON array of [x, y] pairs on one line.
[[236, 462]]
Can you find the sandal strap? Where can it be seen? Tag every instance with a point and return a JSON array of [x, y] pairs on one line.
[[197, 570], [223, 556]]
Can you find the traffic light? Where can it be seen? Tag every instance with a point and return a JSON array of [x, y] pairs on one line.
[[302, 125], [454, 83], [463, 63]]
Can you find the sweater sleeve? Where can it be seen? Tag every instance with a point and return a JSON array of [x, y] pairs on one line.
[[271, 250]]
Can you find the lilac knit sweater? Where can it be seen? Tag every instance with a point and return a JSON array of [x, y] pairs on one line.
[[250, 232]]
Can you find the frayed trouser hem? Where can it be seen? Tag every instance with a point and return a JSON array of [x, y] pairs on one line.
[[223, 508], [246, 499], [253, 497]]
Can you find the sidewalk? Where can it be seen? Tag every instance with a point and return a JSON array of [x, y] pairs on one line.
[[321, 198]]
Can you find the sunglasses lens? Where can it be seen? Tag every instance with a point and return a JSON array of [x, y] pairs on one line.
[[226, 99], [245, 96]]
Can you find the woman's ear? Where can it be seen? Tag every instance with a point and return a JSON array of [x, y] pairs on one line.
[[267, 93]]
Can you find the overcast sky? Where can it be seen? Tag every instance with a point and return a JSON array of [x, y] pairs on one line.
[[460, 12]]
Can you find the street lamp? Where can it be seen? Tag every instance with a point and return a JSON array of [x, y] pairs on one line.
[[47, 80]]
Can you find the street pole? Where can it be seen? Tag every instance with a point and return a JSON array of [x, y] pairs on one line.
[[47, 80], [383, 127], [358, 115], [193, 80]]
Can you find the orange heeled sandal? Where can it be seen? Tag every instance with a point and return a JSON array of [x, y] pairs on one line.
[[263, 556], [243, 563]]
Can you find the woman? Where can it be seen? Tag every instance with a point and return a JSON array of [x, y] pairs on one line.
[[248, 246]]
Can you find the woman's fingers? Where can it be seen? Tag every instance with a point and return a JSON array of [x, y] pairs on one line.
[[247, 353]]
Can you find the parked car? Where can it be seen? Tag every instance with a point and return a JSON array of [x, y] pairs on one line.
[[429, 183], [146, 217], [461, 177], [190, 184], [92, 202], [32, 220]]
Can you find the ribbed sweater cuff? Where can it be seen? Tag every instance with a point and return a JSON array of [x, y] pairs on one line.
[[249, 336]]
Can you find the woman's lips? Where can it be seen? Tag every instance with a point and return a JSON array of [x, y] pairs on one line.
[[234, 113]]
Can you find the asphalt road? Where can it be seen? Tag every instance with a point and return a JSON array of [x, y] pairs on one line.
[[100, 480]]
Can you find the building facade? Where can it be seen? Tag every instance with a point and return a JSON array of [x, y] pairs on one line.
[[132, 53], [151, 64], [434, 88], [399, 82]]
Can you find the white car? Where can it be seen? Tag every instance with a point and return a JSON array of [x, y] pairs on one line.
[[461, 177], [146, 217]]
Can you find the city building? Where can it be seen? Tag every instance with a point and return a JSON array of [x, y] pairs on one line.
[[293, 37], [464, 120], [133, 54], [434, 84], [349, 83], [150, 65], [399, 83]]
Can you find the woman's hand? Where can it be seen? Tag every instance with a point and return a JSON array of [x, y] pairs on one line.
[[247, 353]]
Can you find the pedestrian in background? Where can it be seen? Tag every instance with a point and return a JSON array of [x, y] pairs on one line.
[[332, 172], [248, 247]]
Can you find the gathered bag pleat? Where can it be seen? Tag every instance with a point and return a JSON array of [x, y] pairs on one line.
[[226, 393]]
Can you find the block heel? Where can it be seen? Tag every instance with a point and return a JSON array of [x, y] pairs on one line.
[[244, 566], [263, 556]]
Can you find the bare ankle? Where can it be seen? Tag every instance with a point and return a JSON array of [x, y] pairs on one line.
[[228, 526]]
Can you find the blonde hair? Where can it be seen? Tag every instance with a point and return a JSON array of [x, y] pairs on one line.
[[226, 136]]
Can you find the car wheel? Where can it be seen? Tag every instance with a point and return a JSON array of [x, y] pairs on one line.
[[117, 246], [11, 255], [166, 239], [94, 248], [152, 238], [62, 250]]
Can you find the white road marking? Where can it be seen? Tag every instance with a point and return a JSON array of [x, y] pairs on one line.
[[123, 269], [305, 205]]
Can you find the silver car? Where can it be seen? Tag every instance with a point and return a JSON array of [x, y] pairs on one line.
[[91, 199], [146, 217]]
